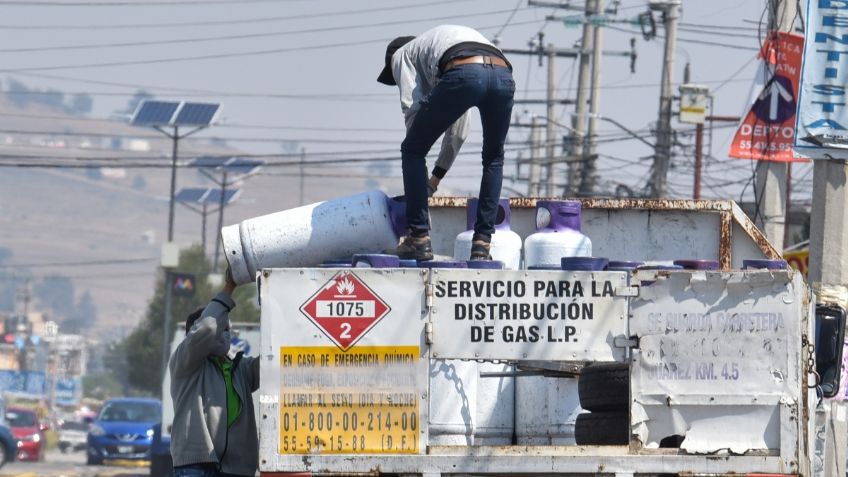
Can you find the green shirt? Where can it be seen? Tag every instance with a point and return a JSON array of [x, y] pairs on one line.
[[233, 400]]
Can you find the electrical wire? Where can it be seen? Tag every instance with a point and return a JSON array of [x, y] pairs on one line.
[[116, 261], [211, 56], [244, 36], [229, 22]]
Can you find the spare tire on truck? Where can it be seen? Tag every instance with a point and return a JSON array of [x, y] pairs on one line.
[[602, 429], [605, 387]]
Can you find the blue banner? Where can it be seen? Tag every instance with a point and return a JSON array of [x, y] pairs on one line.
[[33, 383], [821, 130], [67, 391]]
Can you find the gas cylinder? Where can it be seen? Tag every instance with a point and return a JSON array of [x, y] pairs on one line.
[[506, 244], [557, 234], [306, 236]]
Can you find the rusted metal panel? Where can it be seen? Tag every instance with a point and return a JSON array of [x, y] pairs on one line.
[[725, 238], [753, 232], [632, 229], [717, 362]]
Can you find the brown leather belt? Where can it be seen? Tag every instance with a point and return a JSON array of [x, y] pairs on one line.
[[482, 60]]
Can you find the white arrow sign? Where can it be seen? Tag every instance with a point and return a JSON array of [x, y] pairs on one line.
[[776, 90]]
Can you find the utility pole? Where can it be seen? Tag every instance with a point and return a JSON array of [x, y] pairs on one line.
[[662, 153], [550, 132], [590, 149], [302, 172], [578, 121], [771, 186], [535, 156], [699, 150]]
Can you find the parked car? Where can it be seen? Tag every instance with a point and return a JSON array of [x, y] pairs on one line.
[[72, 435], [8, 446], [28, 432], [123, 430]]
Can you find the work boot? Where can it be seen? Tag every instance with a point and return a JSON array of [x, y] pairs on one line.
[[414, 248], [480, 250]]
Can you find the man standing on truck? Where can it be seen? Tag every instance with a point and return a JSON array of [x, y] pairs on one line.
[[214, 430], [441, 74]]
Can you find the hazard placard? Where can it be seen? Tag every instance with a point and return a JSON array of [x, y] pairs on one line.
[[767, 131], [345, 366], [344, 309]]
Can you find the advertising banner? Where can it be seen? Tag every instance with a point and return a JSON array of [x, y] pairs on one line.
[[767, 130], [822, 123]]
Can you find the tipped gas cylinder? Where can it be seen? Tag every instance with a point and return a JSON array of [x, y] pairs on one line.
[[309, 235]]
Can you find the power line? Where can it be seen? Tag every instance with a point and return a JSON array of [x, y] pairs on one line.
[[244, 36], [127, 26], [80, 264], [145, 3], [209, 56], [717, 27]]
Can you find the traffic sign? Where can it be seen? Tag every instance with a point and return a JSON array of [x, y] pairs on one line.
[[182, 284], [344, 309], [776, 103]]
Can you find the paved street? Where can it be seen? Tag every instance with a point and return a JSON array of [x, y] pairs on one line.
[[56, 464]]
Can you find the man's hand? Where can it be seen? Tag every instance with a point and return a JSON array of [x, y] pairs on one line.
[[229, 283], [432, 185]]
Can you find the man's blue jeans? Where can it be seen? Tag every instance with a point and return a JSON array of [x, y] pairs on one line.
[[200, 470], [488, 87]]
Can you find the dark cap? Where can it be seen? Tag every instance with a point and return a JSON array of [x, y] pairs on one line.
[[386, 76]]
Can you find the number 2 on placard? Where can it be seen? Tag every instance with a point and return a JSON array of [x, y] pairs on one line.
[[345, 331]]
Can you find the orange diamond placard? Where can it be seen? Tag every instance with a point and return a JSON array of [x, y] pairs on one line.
[[345, 309]]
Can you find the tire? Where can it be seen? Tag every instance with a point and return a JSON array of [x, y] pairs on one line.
[[602, 429], [91, 460], [63, 447], [605, 387], [4, 455]]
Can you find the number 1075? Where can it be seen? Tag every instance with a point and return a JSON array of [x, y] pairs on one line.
[[344, 309]]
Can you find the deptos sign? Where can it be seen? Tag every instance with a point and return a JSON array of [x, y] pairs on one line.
[[549, 315]]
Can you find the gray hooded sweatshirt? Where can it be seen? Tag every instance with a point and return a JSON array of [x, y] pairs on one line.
[[199, 433]]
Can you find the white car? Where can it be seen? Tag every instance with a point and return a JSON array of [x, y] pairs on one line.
[[72, 436]]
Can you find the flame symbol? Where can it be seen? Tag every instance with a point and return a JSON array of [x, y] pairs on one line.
[[344, 287]]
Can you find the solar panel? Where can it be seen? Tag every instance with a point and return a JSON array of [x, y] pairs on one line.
[[237, 165], [196, 114], [192, 194], [207, 195], [154, 113], [215, 196], [210, 162], [243, 166]]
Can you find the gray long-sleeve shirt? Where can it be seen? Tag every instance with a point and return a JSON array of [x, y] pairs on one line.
[[416, 70], [199, 433]]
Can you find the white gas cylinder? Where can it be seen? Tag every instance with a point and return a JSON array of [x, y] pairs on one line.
[[506, 244], [557, 234], [309, 235]]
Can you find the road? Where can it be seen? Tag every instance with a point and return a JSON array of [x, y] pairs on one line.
[[56, 464]]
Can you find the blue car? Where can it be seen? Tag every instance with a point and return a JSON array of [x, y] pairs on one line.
[[123, 430]]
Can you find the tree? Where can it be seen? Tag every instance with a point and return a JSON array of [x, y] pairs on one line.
[[56, 293], [133, 103], [17, 93], [144, 344], [83, 315], [80, 105], [5, 254]]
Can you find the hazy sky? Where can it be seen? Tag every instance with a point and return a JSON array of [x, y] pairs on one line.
[[302, 72]]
